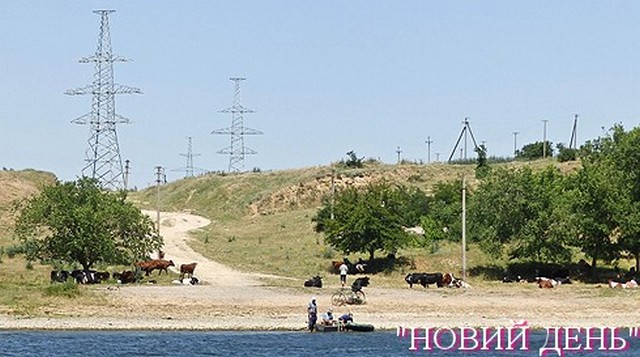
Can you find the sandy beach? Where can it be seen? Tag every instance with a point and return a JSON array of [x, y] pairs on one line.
[[231, 300]]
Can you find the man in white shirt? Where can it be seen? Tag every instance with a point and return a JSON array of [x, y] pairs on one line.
[[344, 269]]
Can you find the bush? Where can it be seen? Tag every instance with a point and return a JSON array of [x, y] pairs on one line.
[[68, 289]]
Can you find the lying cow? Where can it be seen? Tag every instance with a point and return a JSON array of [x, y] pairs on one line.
[[150, 265], [359, 283], [59, 276], [126, 277], [424, 279], [187, 269], [546, 283], [315, 282]]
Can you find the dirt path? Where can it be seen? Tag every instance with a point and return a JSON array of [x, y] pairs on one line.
[[174, 228]]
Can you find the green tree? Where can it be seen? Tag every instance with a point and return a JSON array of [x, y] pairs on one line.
[[566, 154], [594, 198], [535, 151], [354, 161], [363, 221], [520, 212], [78, 222], [617, 158], [443, 218]]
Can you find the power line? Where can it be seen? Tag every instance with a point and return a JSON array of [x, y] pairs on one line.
[[103, 160]]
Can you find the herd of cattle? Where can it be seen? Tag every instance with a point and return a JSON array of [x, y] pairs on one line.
[[127, 276], [439, 279]]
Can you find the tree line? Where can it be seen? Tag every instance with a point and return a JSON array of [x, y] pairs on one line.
[[543, 216]]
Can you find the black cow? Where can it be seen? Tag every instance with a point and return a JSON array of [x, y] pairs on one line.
[[59, 276], [315, 282], [125, 277], [424, 279], [359, 283], [84, 276]]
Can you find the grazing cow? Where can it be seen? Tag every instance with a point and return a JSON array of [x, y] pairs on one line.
[[59, 276], [315, 282], [150, 265], [359, 283], [424, 279], [187, 269]]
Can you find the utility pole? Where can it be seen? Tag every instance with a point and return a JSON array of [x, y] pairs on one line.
[[126, 173], [544, 139], [515, 143], [429, 141], [437, 157], [466, 130], [573, 143], [398, 151], [160, 178], [464, 228], [103, 161]]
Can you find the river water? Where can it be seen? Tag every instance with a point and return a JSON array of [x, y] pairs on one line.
[[268, 344]]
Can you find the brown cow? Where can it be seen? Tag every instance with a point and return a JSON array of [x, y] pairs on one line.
[[150, 265], [187, 269]]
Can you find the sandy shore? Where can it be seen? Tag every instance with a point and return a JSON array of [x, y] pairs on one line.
[[232, 300]]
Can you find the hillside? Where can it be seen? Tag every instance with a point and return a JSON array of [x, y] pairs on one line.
[[261, 222], [16, 185]]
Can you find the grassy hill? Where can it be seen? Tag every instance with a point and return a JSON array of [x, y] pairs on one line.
[[16, 185], [261, 222]]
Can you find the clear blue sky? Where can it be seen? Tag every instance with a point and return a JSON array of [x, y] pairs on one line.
[[323, 77]]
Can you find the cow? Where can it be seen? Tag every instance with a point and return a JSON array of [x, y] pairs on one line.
[[631, 284], [150, 265], [424, 279], [101, 276], [359, 283], [315, 282], [59, 276], [546, 283], [126, 277], [84, 276], [187, 269]]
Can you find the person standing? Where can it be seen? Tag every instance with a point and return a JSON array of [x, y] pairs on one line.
[[344, 269], [312, 313]]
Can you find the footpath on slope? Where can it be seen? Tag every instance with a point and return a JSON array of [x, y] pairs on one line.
[[174, 228]]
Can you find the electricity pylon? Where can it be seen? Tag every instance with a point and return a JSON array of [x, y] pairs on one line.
[[103, 161], [237, 131]]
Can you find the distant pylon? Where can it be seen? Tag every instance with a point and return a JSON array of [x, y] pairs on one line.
[[189, 169], [103, 161], [237, 150]]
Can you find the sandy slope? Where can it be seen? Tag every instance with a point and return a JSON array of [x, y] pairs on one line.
[[229, 299]]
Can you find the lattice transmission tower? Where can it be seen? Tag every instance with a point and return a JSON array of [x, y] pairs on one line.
[[189, 169], [237, 150], [103, 160]]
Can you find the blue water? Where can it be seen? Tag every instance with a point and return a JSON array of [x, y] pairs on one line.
[[271, 344]]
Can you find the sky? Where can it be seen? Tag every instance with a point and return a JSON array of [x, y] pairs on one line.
[[323, 77]]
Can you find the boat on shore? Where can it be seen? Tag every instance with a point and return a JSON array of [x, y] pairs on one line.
[[349, 326], [352, 326]]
